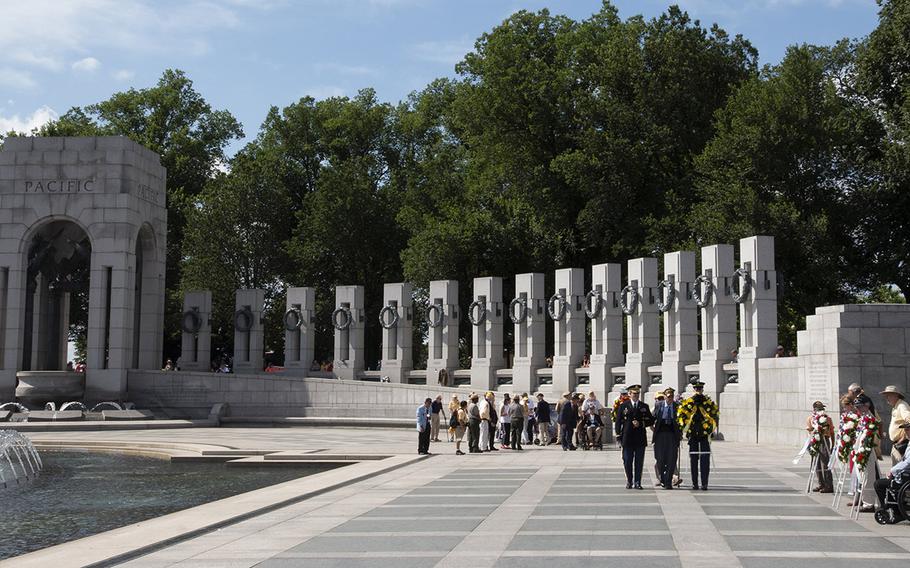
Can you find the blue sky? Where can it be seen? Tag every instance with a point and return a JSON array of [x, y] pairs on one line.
[[246, 55]]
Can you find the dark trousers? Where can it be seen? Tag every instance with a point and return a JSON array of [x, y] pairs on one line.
[[515, 430], [506, 433], [666, 452], [423, 440], [881, 485], [633, 457], [474, 435], [700, 462], [823, 474], [492, 427], [566, 431]]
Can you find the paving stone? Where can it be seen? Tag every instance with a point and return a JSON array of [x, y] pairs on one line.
[[377, 544], [841, 524], [594, 524], [417, 512], [585, 499], [442, 501], [828, 562], [349, 562], [769, 499], [828, 544], [591, 542], [583, 561], [771, 510], [604, 509], [477, 490], [364, 524]]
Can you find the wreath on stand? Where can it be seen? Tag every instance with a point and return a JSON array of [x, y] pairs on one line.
[[867, 430], [847, 436], [616, 404], [689, 409], [819, 424]]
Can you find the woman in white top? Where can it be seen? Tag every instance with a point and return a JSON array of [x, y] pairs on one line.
[[505, 423]]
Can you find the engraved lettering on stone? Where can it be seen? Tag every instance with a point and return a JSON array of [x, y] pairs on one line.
[[56, 186], [147, 193]]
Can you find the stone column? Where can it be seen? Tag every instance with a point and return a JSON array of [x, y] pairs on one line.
[[396, 319], [643, 329], [348, 321], [530, 330], [569, 327], [757, 287], [248, 331], [443, 318], [110, 322], [718, 316], [606, 326], [196, 327], [299, 334], [680, 319], [487, 353]]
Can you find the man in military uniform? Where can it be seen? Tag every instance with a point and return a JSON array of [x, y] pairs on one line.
[[666, 437], [634, 417], [697, 417]]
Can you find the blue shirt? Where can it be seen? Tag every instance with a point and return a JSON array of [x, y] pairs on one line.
[[902, 467], [423, 417]]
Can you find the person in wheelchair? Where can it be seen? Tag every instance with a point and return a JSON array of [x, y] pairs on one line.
[[894, 493], [594, 428]]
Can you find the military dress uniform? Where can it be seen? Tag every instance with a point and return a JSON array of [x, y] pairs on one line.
[[667, 435], [633, 419]]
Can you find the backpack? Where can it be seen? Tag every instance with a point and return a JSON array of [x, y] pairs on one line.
[[453, 420]]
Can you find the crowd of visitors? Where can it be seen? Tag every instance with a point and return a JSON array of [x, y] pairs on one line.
[[578, 421]]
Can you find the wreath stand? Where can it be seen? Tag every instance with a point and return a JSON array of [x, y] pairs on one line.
[[858, 497], [843, 471], [812, 467]]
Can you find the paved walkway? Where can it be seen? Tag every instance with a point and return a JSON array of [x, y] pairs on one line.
[[539, 507]]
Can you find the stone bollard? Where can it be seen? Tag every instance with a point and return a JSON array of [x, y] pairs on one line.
[[443, 318], [348, 321], [485, 315], [680, 319], [248, 331], [396, 319], [528, 312], [299, 333], [606, 326], [196, 331], [566, 308], [643, 332], [718, 316]]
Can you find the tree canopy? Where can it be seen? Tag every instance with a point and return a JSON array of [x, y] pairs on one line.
[[558, 143]]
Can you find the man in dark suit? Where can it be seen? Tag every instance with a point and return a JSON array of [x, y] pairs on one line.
[[633, 419], [568, 420], [666, 437]]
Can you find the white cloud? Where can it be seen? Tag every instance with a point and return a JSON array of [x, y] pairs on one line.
[[16, 79], [123, 74], [443, 51], [87, 65], [40, 117], [32, 59], [324, 92]]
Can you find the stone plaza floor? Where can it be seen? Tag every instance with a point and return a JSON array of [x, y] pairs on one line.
[[541, 507]]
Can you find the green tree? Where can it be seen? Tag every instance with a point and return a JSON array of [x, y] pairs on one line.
[[175, 121], [788, 160]]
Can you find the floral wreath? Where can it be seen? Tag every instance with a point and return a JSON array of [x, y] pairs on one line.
[[865, 441], [616, 404], [820, 424], [847, 437], [688, 410]]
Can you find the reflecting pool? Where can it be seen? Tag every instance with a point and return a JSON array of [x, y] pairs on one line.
[[83, 493]]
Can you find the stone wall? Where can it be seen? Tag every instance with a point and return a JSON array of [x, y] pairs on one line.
[[184, 394], [864, 343]]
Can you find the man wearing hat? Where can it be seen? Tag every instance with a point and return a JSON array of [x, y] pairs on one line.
[[634, 417], [697, 418], [899, 429], [861, 397], [666, 437]]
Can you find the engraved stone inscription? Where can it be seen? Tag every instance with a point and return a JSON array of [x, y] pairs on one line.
[[55, 186], [818, 383], [147, 193]]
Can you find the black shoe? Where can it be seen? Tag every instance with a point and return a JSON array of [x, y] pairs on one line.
[[459, 453], [494, 449], [629, 485], [695, 488], [638, 486], [565, 449], [704, 487]]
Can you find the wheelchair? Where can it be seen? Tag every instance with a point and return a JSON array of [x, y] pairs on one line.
[[896, 507]]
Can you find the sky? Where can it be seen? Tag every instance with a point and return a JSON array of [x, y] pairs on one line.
[[248, 55]]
